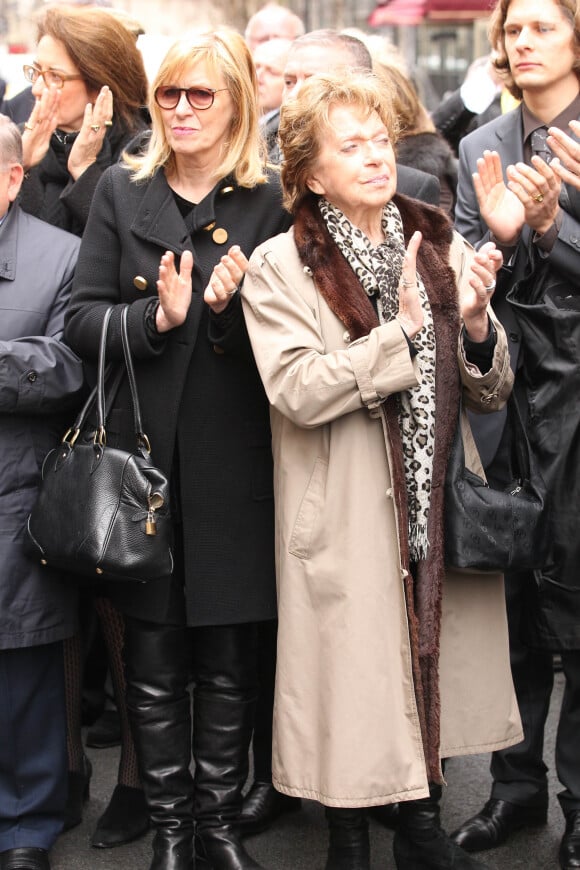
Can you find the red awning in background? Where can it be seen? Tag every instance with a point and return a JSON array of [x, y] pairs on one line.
[[394, 12]]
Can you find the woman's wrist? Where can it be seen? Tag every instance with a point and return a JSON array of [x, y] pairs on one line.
[[477, 328]]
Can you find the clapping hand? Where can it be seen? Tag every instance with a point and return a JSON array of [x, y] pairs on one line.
[[40, 127], [500, 208], [174, 290], [529, 197], [410, 314], [475, 299], [225, 279], [88, 143], [566, 164], [537, 188]]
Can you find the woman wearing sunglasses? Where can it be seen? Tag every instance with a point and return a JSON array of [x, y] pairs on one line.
[[90, 89], [158, 226]]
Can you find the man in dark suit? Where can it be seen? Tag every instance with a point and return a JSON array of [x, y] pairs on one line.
[[40, 378], [512, 194], [270, 60], [320, 51]]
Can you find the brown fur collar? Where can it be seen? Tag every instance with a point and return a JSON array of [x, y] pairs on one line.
[[342, 291]]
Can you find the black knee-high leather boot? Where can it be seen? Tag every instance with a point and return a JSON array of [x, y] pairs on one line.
[[348, 844], [420, 842], [223, 716], [159, 710]]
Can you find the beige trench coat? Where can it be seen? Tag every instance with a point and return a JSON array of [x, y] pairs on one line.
[[346, 728]]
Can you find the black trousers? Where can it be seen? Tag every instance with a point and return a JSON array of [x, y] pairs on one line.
[[33, 760], [519, 772]]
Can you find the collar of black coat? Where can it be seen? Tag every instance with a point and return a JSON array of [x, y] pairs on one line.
[[159, 220]]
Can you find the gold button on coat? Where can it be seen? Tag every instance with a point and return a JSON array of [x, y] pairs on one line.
[[220, 236], [140, 282]]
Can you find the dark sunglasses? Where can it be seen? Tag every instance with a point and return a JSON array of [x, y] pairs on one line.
[[168, 96]]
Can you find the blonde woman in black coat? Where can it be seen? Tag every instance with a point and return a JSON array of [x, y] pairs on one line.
[[164, 222]]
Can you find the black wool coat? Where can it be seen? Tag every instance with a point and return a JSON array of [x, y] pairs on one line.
[[204, 408], [49, 191]]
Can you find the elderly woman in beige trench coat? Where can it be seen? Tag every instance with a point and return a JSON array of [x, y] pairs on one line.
[[368, 320]]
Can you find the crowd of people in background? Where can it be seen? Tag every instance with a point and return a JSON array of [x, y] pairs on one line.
[[322, 281]]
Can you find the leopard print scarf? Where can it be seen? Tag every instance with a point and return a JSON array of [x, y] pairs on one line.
[[379, 270]]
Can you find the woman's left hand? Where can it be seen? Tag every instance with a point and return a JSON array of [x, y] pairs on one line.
[[225, 279], [474, 302], [87, 146]]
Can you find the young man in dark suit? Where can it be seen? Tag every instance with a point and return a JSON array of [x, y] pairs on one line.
[[508, 190]]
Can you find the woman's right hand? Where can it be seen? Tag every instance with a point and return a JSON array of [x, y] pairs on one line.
[[40, 127], [174, 291], [410, 314]]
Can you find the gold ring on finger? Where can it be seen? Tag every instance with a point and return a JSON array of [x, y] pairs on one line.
[[538, 197], [95, 127], [28, 126]]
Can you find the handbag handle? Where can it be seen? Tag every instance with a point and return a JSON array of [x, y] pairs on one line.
[[97, 395], [520, 449], [100, 434], [142, 439]]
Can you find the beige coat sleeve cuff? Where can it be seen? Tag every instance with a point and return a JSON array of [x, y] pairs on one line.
[[489, 391], [382, 364]]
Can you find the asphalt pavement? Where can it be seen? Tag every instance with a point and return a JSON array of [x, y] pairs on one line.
[[298, 841]]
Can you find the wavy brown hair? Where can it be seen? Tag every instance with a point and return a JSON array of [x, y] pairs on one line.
[[570, 10], [105, 52], [412, 115], [304, 119]]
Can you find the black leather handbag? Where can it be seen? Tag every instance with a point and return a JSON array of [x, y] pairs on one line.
[[488, 529], [102, 511]]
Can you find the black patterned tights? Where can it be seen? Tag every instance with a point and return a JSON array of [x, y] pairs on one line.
[[112, 625]]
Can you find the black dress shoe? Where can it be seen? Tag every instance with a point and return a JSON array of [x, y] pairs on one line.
[[105, 732], [494, 824], [25, 858], [262, 806], [386, 815], [78, 794], [570, 845], [125, 819]]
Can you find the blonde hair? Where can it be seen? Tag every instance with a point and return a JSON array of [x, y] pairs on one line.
[[225, 52], [305, 118]]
